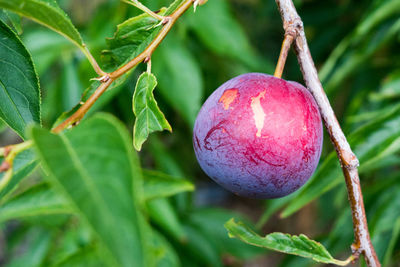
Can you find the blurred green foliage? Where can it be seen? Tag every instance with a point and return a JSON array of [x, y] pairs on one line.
[[355, 46]]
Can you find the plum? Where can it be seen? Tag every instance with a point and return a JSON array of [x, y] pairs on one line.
[[259, 136]]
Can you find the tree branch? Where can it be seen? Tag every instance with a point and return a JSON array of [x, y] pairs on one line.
[[109, 78], [349, 162]]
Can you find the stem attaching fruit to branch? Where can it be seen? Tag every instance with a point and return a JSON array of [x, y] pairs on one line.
[[287, 42], [349, 162]]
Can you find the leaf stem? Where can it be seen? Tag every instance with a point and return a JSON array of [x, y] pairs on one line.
[[144, 8], [92, 61], [349, 162]]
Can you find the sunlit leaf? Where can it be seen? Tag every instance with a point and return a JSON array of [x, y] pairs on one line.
[[149, 117], [133, 36], [94, 167], [46, 12]]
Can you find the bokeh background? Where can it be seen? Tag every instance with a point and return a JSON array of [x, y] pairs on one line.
[[356, 48]]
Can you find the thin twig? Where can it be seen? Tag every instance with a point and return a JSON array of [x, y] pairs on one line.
[[108, 79], [78, 115], [349, 162], [154, 44], [144, 8]]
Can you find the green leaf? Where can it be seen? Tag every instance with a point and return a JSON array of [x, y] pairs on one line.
[[15, 20], [163, 214], [165, 253], [24, 163], [87, 257], [375, 29], [384, 211], [158, 184], [37, 244], [131, 37], [48, 13], [37, 201], [45, 47], [71, 87], [179, 76], [19, 85], [149, 117], [199, 247], [210, 222], [390, 89], [380, 134], [94, 166], [114, 88], [166, 162], [297, 245], [224, 35], [392, 243]]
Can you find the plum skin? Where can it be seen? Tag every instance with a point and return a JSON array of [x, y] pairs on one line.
[[259, 136]]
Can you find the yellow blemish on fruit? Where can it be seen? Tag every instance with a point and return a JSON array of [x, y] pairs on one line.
[[258, 111], [228, 97]]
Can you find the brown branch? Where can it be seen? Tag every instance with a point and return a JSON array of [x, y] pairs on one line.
[[349, 162], [108, 79]]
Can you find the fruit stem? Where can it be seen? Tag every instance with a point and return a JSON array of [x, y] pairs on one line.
[[287, 42]]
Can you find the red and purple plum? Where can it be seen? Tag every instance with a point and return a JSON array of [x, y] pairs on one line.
[[259, 136]]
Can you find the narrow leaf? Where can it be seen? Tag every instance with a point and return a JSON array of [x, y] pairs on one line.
[[224, 35], [37, 201], [94, 166], [19, 85], [158, 184], [163, 214], [164, 251], [149, 117], [297, 245], [46, 12]]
